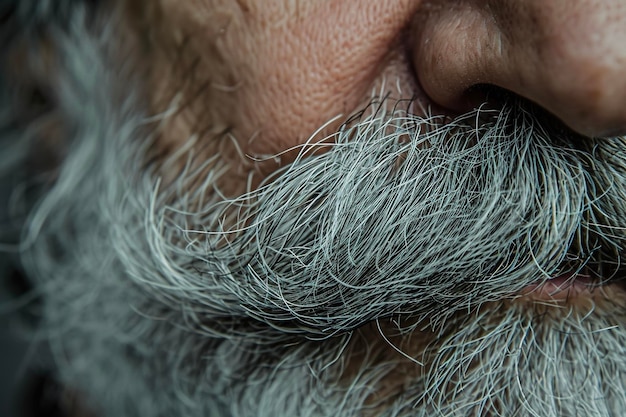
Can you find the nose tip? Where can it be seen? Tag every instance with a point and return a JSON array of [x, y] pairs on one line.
[[568, 56]]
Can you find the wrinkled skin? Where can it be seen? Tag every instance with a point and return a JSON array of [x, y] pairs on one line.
[[286, 208]]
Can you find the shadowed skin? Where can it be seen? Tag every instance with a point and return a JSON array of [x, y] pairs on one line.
[[354, 208]]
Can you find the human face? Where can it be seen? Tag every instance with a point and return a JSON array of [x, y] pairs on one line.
[[370, 208]]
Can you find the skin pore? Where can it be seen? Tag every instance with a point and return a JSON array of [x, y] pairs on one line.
[[272, 72], [264, 80], [304, 208]]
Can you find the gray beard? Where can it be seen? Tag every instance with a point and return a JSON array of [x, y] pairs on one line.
[[169, 299]]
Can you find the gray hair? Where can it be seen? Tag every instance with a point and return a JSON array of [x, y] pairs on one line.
[[172, 299]]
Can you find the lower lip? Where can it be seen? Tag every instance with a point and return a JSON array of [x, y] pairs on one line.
[[563, 287]]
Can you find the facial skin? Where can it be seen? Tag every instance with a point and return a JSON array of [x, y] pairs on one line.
[[326, 208], [289, 67]]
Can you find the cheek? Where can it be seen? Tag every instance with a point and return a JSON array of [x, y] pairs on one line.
[[267, 78], [296, 84], [298, 70], [289, 96]]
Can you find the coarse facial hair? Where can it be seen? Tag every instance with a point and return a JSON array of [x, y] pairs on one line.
[[166, 298]]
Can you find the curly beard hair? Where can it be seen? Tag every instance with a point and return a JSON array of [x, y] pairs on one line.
[[375, 275]]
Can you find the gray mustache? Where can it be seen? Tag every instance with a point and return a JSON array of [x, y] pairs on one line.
[[404, 215], [173, 300]]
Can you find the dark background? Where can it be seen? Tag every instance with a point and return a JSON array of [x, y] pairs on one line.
[[27, 387], [13, 348]]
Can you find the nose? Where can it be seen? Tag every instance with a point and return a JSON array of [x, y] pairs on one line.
[[568, 56]]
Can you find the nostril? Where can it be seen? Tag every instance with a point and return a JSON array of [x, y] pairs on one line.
[[492, 97], [483, 95], [587, 124]]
